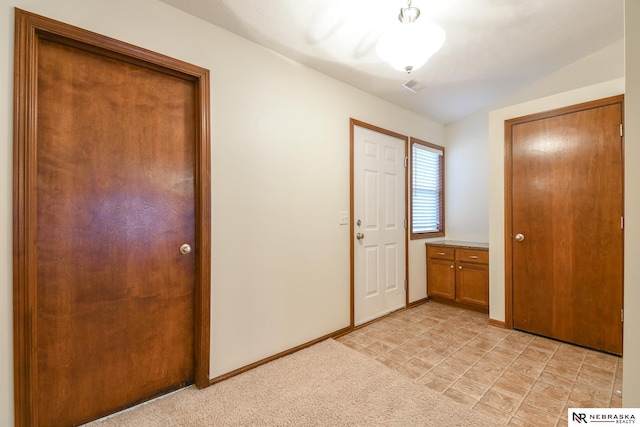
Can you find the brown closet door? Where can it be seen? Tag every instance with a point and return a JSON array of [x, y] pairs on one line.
[[567, 205], [115, 202]]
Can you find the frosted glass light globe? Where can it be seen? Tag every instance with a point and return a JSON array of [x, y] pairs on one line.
[[407, 47]]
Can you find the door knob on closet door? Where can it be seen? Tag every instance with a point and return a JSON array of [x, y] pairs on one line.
[[519, 237], [185, 249]]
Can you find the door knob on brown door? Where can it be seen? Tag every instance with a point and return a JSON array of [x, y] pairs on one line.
[[519, 237], [185, 249]]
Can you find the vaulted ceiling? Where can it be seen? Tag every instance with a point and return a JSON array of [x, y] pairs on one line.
[[493, 47]]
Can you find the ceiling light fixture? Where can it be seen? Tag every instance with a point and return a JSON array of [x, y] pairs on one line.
[[408, 45]]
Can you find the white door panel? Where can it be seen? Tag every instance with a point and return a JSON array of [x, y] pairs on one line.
[[371, 267], [379, 214]]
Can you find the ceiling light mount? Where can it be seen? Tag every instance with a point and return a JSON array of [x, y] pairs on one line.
[[408, 14]]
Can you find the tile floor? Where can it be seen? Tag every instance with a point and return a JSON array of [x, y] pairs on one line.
[[518, 378]]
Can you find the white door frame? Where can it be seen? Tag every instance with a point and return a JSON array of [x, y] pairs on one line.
[[352, 225]]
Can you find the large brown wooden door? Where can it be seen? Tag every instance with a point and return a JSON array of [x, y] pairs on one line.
[[567, 206], [113, 196]]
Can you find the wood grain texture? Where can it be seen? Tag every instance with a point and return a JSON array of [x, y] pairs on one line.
[[115, 202], [111, 175], [567, 201], [441, 274], [472, 276], [458, 276]]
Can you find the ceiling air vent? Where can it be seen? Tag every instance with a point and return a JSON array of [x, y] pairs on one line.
[[413, 86]]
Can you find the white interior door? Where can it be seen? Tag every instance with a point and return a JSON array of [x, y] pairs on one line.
[[379, 228]]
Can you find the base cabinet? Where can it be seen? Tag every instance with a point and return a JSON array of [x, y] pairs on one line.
[[459, 275]]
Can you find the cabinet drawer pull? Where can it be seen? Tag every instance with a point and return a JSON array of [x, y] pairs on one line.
[[473, 256], [441, 253]]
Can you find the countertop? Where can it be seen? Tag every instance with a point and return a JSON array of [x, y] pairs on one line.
[[458, 244]]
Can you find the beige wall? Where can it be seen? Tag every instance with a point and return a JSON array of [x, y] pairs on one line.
[[467, 179], [280, 175], [631, 372], [603, 65]]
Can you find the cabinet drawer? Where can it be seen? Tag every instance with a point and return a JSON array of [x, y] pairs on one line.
[[471, 255], [440, 252]]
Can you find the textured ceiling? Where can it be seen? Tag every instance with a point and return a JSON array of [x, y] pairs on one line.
[[493, 47]]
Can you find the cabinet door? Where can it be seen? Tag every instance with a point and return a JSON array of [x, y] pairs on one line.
[[441, 278], [472, 283]]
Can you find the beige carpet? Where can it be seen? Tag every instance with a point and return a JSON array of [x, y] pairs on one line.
[[327, 384]]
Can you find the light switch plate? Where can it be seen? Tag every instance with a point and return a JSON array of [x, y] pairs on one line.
[[344, 218]]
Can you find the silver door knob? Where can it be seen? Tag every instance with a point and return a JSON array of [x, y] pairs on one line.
[[185, 249], [359, 236], [519, 237]]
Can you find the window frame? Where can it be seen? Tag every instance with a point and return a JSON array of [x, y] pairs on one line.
[[441, 231]]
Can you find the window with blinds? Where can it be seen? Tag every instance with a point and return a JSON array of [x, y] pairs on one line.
[[427, 189]]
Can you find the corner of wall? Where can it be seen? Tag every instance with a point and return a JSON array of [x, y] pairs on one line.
[[631, 350]]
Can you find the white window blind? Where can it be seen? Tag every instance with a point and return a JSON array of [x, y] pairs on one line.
[[426, 188]]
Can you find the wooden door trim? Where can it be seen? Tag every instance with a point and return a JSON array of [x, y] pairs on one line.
[[352, 124], [508, 185], [29, 29]]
